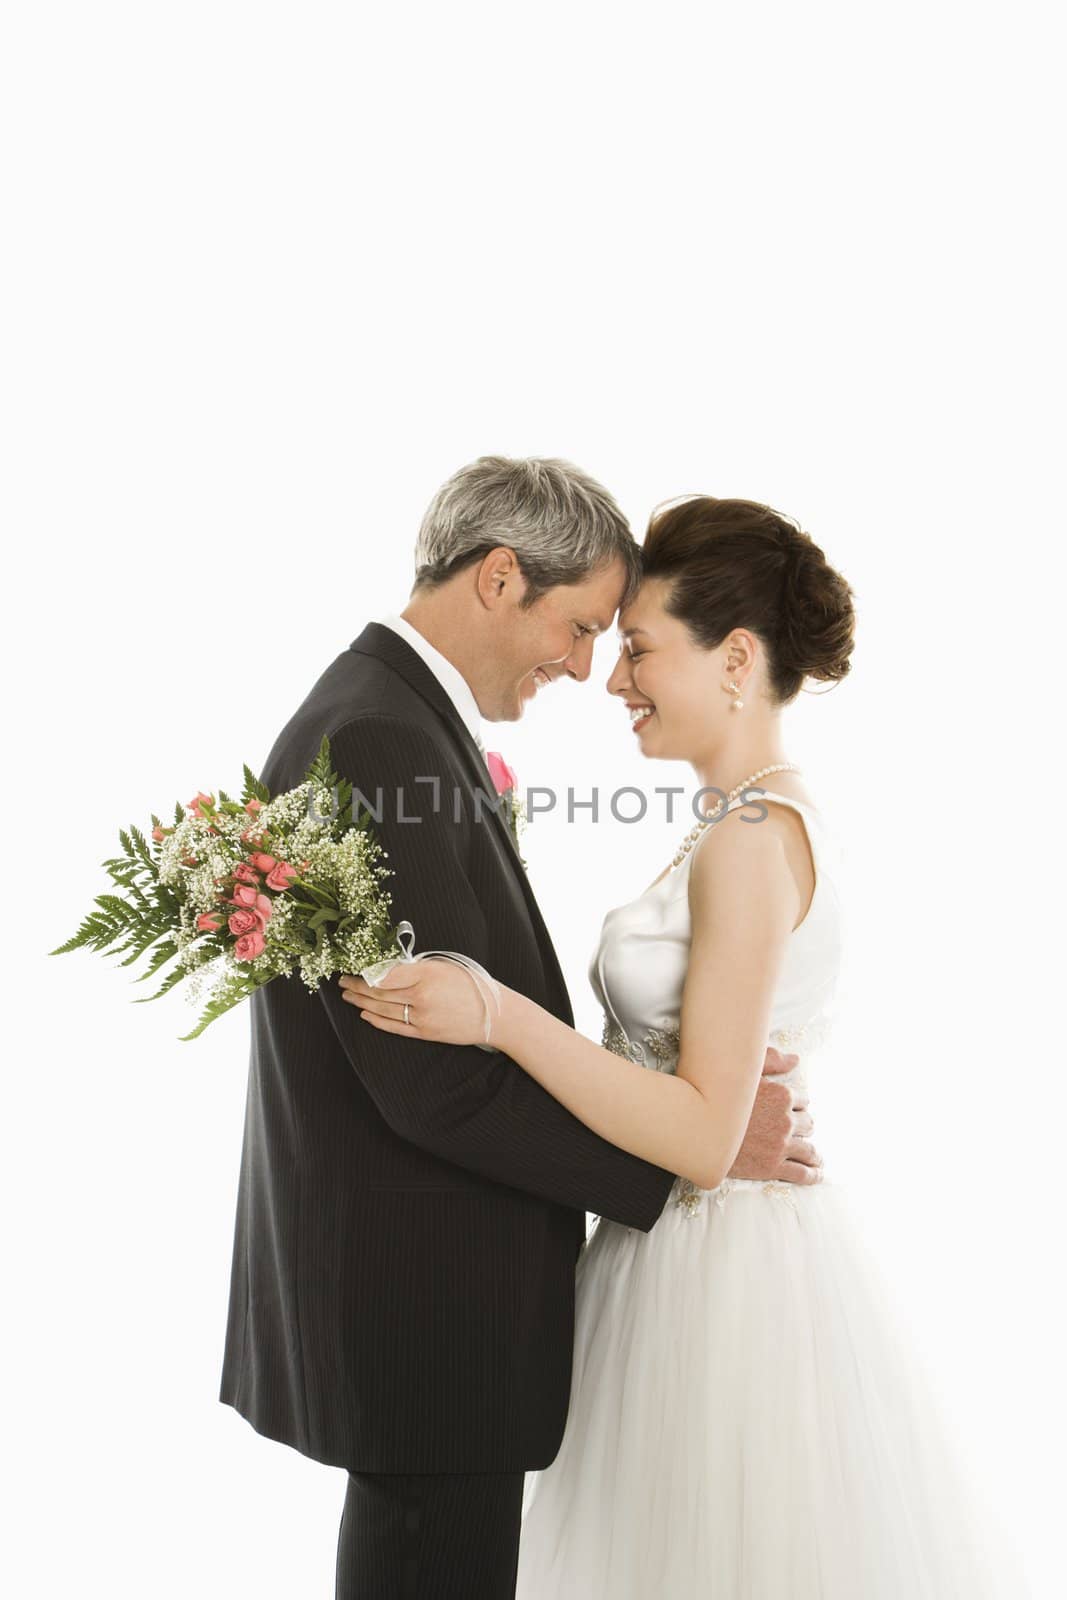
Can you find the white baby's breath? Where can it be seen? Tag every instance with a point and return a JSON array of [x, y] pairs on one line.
[[297, 827]]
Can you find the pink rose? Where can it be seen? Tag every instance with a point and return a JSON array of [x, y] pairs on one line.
[[200, 799], [241, 922], [159, 834], [249, 946], [207, 922], [502, 775], [245, 874], [264, 863], [253, 806], [246, 899], [281, 876]]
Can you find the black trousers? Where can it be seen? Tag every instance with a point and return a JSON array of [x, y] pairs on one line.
[[429, 1536]]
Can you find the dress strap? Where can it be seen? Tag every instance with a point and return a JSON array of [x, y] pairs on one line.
[[783, 799], [806, 812]]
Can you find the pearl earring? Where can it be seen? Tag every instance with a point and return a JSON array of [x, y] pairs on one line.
[[737, 702]]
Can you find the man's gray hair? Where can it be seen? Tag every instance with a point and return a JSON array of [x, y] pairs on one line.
[[562, 525]]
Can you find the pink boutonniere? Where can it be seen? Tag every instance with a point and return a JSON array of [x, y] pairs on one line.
[[502, 775], [506, 783]]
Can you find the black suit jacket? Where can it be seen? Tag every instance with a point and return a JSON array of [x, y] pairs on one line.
[[410, 1214]]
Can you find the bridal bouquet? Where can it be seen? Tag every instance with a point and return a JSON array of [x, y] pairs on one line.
[[238, 893]]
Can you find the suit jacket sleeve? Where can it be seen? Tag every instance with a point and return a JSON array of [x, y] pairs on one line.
[[478, 1110]]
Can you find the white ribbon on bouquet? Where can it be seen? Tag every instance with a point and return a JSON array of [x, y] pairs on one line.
[[478, 975]]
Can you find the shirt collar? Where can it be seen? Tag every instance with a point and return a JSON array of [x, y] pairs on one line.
[[448, 676]]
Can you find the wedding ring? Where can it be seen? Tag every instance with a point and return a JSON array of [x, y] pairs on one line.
[[407, 1012]]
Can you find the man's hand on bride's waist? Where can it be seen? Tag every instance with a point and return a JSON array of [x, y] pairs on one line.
[[777, 1146]]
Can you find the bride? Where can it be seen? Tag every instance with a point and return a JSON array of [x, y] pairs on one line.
[[743, 1422]]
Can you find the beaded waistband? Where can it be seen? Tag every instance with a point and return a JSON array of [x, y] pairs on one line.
[[687, 1197], [662, 1044]]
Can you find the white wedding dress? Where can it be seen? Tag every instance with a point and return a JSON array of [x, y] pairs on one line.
[[743, 1423]]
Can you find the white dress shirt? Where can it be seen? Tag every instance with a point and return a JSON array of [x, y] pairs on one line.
[[448, 676]]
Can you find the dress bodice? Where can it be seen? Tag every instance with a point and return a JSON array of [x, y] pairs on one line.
[[638, 968]]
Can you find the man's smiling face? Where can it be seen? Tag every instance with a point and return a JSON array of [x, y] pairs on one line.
[[553, 637]]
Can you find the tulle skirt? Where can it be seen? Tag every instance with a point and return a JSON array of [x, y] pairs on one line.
[[744, 1423]]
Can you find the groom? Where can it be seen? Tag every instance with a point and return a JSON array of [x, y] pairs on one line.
[[409, 1214]]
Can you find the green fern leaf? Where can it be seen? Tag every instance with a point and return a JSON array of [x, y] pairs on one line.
[[165, 987], [160, 957], [141, 844], [230, 995], [253, 789]]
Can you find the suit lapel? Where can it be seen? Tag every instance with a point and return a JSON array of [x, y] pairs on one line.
[[380, 641]]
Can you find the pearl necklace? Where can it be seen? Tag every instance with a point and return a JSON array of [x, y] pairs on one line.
[[694, 833]]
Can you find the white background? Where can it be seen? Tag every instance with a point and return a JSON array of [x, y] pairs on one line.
[[272, 273]]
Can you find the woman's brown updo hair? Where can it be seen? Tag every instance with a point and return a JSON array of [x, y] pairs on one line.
[[738, 564]]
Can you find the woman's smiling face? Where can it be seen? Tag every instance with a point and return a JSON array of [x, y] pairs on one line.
[[676, 684]]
